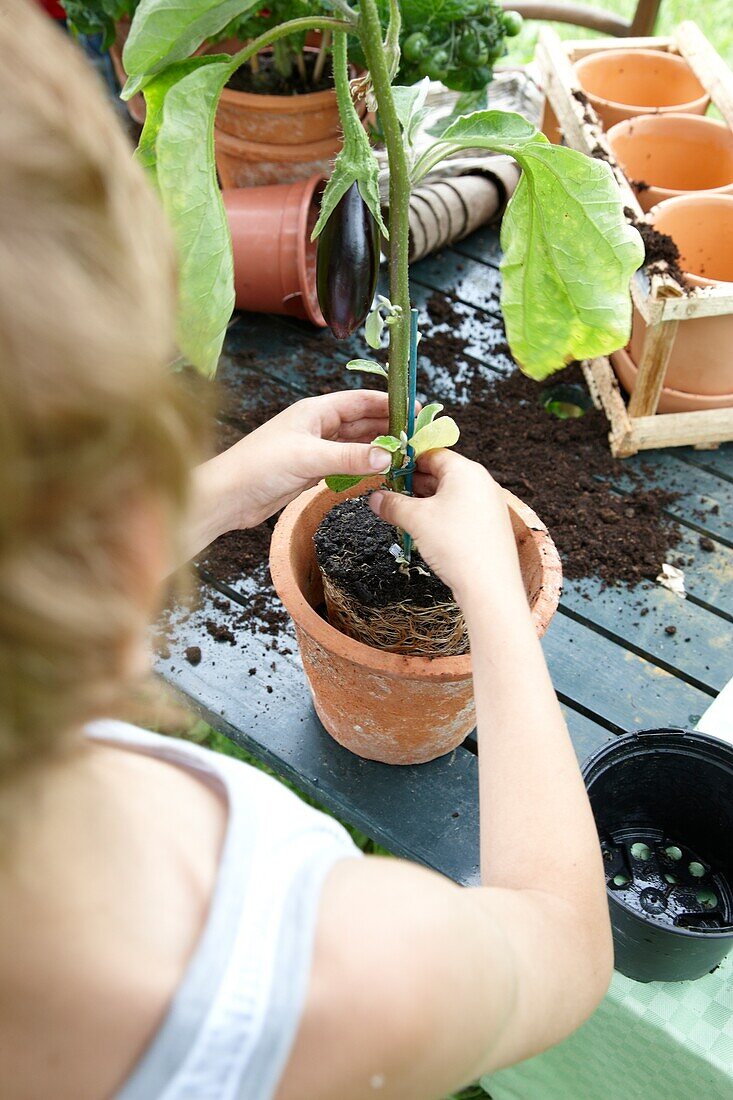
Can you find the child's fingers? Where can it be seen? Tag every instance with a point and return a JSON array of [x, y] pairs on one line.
[[363, 431]]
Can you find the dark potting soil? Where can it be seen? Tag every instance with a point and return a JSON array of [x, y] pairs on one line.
[[353, 550], [660, 250], [268, 81]]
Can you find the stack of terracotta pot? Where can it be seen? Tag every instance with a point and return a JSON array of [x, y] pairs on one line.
[[680, 165]]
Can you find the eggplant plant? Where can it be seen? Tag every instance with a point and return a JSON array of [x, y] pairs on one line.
[[568, 251]]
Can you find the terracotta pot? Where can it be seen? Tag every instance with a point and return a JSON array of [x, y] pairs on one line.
[[670, 401], [701, 363], [274, 257], [136, 105], [250, 164], [674, 154], [386, 706], [623, 83], [279, 119]]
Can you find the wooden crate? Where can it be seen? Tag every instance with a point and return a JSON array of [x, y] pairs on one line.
[[660, 300]]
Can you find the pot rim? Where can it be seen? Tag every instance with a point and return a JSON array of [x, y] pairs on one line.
[[400, 665], [310, 298], [640, 741], [264, 151], [641, 108], [694, 401], [695, 198], [668, 122], [304, 103]]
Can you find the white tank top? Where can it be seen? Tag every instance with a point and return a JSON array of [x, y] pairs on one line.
[[233, 1019]]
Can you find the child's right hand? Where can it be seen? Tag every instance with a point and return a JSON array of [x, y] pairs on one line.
[[460, 524]]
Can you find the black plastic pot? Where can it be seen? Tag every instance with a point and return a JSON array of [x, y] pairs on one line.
[[663, 804]]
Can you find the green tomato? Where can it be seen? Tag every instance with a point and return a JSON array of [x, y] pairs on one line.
[[512, 21], [472, 51], [416, 46], [436, 66]]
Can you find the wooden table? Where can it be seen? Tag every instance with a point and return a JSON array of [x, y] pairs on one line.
[[612, 668]]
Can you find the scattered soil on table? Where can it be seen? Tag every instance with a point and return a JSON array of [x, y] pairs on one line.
[[640, 186], [563, 469], [353, 550], [268, 81]]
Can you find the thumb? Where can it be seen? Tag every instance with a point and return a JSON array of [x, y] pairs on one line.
[[349, 458], [395, 508]]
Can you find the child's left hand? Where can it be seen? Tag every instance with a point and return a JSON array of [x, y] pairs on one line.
[[267, 469]]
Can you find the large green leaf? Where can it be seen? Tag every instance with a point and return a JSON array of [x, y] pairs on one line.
[[164, 31], [155, 92], [568, 251], [193, 203]]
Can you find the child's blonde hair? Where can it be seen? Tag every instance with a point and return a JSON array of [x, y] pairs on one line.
[[91, 419]]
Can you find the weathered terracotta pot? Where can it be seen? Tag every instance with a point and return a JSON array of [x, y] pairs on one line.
[[701, 363], [243, 163], [674, 154], [262, 139], [623, 83], [386, 706], [274, 257]]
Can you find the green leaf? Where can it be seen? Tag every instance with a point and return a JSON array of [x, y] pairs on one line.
[[193, 203], [164, 31], [569, 253], [427, 415], [388, 443], [374, 328], [410, 106], [339, 483], [440, 433], [155, 92], [367, 366]]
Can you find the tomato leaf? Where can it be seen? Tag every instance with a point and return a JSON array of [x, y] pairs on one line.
[[440, 433], [192, 200], [367, 366]]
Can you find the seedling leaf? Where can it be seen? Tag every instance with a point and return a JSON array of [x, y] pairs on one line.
[[367, 366], [440, 433], [373, 329], [388, 442], [427, 415], [339, 483]]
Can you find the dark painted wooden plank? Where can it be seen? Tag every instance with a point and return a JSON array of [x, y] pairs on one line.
[[613, 685], [469, 280], [675, 633], [483, 245], [708, 572], [719, 461], [705, 500]]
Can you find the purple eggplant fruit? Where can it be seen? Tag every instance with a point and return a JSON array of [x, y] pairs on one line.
[[347, 264]]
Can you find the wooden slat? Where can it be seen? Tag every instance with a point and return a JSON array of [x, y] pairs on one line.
[[581, 47], [483, 245], [705, 501], [655, 355], [700, 650], [469, 281], [708, 66]]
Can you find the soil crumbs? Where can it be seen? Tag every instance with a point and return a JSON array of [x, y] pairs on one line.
[[266, 80]]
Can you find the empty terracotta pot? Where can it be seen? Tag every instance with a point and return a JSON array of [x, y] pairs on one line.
[[623, 83], [274, 257], [673, 154], [387, 706], [701, 363]]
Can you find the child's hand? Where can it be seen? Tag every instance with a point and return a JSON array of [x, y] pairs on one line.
[[295, 450], [460, 523]]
